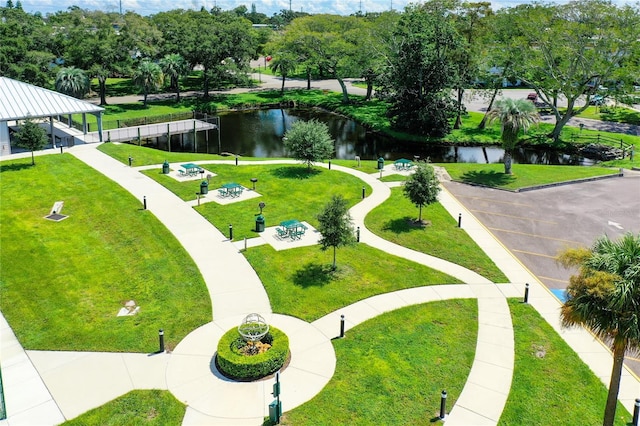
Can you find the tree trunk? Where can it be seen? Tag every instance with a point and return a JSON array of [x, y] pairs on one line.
[[334, 258], [308, 78], [282, 88], [458, 123], [619, 347], [483, 123], [102, 83], [177, 87], [206, 82], [555, 134], [345, 94], [420, 213], [33, 159], [507, 161], [144, 101]]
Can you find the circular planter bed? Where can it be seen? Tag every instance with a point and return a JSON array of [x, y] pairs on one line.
[[240, 360]]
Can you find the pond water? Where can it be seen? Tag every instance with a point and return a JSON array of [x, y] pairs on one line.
[[258, 133]]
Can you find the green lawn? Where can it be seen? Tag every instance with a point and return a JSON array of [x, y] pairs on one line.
[[551, 385], [144, 156], [524, 175], [289, 191], [136, 408], [300, 282], [392, 221], [64, 282], [615, 114], [391, 369]]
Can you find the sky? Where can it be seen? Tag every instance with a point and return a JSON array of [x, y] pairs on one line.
[[268, 7]]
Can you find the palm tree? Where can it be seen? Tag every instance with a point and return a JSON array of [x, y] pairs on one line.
[[174, 66], [605, 297], [148, 76], [284, 65], [514, 115], [72, 81]]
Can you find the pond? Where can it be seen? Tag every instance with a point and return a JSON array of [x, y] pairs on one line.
[[258, 133]]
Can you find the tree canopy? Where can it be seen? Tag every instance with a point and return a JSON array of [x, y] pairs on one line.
[[604, 296], [422, 187], [309, 141], [32, 137], [334, 223]]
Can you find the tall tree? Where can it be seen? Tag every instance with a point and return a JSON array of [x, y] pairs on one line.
[[334, 224], [514, 116], [32, 137], [148, 76], [422, 70], [72, 81], [422, 187], [569, 49], [309, 141], [604, 296], [283, 63], [175, 67]]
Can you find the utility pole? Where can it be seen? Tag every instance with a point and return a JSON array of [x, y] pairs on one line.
[[289, 5], [120, 7], [360, 6]]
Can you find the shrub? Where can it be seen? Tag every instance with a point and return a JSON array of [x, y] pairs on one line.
[[234, 364]]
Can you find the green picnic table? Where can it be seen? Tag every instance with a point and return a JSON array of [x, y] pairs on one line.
[[403, 164], [191, 169], [293, 229], [231, 189]]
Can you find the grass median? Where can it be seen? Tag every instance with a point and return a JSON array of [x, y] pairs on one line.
[[64, 282], [392, 368], [551, 385], [393, 221]]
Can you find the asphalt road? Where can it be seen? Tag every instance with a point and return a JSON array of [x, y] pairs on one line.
[[536, 225]]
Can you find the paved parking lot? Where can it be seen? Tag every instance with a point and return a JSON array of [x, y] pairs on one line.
[[536, 225]]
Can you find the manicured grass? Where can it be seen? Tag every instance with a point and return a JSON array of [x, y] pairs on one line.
[[144, 156], [392, 221], [551, 385], [394, 178], [300, 281], [289, 191], [139, 407], [615, 114], [391, 369], [524, 175], [64, 282]]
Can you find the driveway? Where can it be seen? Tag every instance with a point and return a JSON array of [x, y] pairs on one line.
[[536, 225]]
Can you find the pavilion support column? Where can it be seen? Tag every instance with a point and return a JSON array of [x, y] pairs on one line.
[[53, 136], [169, 136], [195, 143], [71, 120], [84, 123], [100, 126]]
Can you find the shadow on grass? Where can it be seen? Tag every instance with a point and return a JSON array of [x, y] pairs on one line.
[[313, 275], [488, 178], [16, 167], [294, 172], [402, 225]]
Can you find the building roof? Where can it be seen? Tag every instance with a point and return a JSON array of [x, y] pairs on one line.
[[20, 100]]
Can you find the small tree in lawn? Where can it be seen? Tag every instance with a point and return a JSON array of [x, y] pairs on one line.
[[31, 137], [335, 226], [309, 141], [422, 187]]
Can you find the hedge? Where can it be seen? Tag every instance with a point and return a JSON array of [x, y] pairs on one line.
[[233, 364]]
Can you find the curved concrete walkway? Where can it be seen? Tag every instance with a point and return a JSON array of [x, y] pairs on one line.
[[188, 371]]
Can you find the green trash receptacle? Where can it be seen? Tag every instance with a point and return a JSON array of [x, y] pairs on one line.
[[260, 223], [380, 163], [204, 187], [165, 168], [275, 411]]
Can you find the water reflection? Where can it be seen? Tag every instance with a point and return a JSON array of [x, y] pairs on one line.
[[258, 133]]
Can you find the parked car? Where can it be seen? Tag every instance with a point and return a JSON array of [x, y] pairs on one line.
[[596, 100], [533, 97]]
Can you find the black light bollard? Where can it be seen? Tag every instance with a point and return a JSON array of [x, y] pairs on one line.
[[130, 161], [363, 192], [198, 196], [341, 326], [459, 220], [329, 164], [526, 293], [443, 404], [236, 160], [636, 413], [358, 234], [144, 201], [230, 232], [161, 339]]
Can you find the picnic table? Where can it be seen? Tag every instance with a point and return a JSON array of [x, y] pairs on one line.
[[403, 164], [190, 169], [231, 189], [293, 229]]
